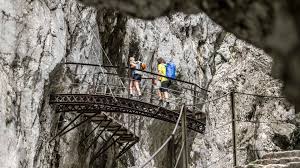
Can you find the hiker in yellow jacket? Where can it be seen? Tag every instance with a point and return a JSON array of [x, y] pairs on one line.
[[165, 82]]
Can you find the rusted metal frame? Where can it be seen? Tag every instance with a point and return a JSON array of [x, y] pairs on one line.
[[157, 111], [151, 69], [93, 84], [78, 63], [137, 103], [103, 148], [97, 137], [150, 106], [98, 154], [129, 80], [124, 150], [84, 97], [134, 124], [126, 109], [100, 151], [104, 104], [128, 90], [62, 130], [233, 125], [90, 133], [193, 124], [109, 73], [184, 141], [77, 125], [171, 147], [164, 115], [96, 81], [194, 101]]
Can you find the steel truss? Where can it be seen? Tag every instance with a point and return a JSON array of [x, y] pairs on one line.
[[119, 136], [88, 103]]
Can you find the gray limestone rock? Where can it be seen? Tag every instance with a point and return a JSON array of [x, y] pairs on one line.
[[271, 25], [36, 36]]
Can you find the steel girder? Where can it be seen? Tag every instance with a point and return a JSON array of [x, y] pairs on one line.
[[87, 103]]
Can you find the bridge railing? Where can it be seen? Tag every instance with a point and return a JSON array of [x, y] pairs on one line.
[[181, 92], [87, 78], [107, 81]]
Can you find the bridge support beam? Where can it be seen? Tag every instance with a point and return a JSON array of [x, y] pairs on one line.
[[233, 128], [171, 149], [184, 134]]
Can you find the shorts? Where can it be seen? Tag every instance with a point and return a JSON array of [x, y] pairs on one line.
[[137, 77], [165, 85]]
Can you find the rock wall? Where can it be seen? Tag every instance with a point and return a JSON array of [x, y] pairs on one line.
[[216, 60], [36, 36], [263, 23]]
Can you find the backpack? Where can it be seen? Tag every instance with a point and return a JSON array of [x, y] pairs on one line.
[[171, 70], [143, 66]]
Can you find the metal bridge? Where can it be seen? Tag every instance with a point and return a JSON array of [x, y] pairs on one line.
[[99, 94]]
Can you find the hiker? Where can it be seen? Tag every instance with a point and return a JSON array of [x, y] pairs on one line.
[[135, 77], [165, 82]]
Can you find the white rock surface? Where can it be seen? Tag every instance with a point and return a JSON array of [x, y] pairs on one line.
[[35, 37], [216, 60]]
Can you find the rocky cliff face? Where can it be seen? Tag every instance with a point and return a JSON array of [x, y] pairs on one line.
[[216, 60], [38, 35], [264, 23]]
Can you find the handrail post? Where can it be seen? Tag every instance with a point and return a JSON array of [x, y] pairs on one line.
[[233, 122], [128, 91], [152, 89], [172, 151], [185, 152], [152, 81], [194, 101], [129, 81]]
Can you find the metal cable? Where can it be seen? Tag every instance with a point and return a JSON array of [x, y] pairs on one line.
[[209, 101], [276, 122], [257, 95], [107, 56], [222, 126], [99, 43], [262, 150], [108, 85], [166, 142]]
